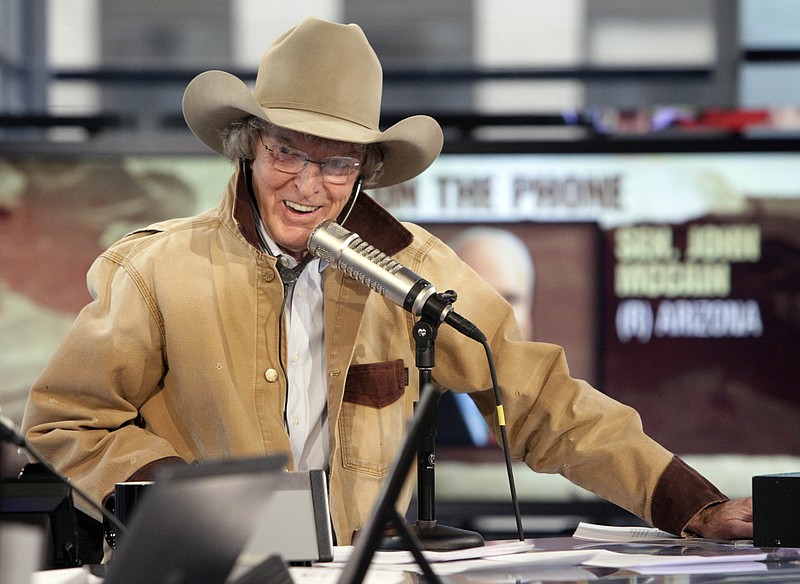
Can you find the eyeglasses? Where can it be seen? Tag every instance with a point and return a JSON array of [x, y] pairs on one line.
[[335, 169]]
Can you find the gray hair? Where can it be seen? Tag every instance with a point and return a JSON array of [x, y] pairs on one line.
[[241, 137]]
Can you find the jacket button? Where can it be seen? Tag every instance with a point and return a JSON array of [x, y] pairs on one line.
[[268, 275], [271, 375]]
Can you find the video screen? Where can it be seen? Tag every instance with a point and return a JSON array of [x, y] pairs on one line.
[[670, 273], [671, 276]]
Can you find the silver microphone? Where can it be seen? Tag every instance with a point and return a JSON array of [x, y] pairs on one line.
[[346, 251]]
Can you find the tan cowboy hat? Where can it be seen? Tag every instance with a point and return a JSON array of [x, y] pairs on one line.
[[318, 78]]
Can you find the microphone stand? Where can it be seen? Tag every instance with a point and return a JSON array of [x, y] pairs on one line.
[[431, 535]]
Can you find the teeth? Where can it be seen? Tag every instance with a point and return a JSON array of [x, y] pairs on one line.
[[300, 208]]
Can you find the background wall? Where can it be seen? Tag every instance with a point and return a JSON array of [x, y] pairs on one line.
[[557, 40]]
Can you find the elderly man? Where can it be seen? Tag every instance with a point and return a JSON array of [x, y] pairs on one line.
[[218, 336]]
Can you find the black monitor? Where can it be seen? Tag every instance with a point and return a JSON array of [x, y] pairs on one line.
[[194, 522], [39, 498]]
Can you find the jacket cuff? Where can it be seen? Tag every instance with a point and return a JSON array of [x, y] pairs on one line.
[[148, 472], [680, 494]]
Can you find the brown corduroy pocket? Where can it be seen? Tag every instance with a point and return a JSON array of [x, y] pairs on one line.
[[371, 423]]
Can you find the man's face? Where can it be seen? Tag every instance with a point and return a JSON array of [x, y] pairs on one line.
[[292, 205]]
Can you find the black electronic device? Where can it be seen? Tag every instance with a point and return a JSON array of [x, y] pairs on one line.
[[47, 501], [776, 510], [61, 519]]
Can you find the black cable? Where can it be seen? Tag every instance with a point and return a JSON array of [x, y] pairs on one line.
[[248, 177], [501, 420], [288, 277]]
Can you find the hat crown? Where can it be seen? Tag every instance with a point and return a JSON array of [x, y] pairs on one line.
[[322, 79], [323, 67]]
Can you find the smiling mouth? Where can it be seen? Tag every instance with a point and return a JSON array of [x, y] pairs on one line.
[[298, 208]]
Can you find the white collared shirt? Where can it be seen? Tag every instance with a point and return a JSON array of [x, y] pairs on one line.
[[307, 396]]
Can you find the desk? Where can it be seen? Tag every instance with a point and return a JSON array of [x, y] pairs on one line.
[[782, 565]]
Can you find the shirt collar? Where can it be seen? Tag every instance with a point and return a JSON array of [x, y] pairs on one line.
[[274, 250]]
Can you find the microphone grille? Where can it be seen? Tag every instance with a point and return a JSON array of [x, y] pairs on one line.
[[325, 240], [324, 254], [375, 255], [337, 230]]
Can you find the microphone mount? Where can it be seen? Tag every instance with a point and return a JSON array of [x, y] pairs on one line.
[[431, 535]]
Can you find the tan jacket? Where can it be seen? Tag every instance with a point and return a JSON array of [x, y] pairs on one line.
[[177, 358]]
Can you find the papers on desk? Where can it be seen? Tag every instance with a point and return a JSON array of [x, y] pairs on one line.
[[443, 563], [317, 575], [491, 549], [513, 552], [653, 564], [615, 534], [494, 554]]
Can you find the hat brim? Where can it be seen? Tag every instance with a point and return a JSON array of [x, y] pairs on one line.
[[214, 99]]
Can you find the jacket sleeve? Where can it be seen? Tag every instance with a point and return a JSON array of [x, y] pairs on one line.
[[83, 412], [556, 423], [680, 494]]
